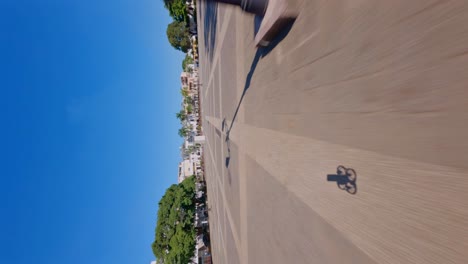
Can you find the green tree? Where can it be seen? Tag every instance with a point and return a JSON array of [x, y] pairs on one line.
[[177, 9], [182, 116], [187, 60], [190, 149], [183, 132], [188, 100], [189, 108], [175, 234], [178, 35], [184, 92]]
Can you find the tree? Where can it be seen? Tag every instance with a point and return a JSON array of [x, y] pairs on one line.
[[184, 92], [183, 132], [181, 116], [178, 35], [188, 100], [187, 60], [175, 234], [190, 149], [177, 10], [189, 108]]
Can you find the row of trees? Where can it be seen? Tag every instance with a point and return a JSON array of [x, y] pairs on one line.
[[175, 234], [178, 31], [182, 114], [179, 37]]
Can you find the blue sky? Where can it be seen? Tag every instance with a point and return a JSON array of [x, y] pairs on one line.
[[88, 136]]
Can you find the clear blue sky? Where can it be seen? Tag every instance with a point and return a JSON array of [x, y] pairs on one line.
[[88, 136]]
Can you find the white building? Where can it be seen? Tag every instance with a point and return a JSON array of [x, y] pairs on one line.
[[192, 122], [185, 170]]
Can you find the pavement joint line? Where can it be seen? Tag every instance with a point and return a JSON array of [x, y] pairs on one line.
[[221, 114], [226, 206], [217, 190], [240, 73], [221, 38], [213, 193], [220, 238]]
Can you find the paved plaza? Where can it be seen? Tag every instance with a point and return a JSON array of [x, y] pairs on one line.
[[379, 87]]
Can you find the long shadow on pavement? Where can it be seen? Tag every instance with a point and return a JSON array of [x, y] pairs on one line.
[[261, 52]]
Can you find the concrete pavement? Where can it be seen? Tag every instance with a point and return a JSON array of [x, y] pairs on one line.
[[380, 87]]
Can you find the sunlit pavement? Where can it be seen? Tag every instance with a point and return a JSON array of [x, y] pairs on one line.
[[377, 87]]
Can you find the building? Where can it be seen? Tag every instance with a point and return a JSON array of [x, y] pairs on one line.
[[189, 80], [186, 169], [184, 78]]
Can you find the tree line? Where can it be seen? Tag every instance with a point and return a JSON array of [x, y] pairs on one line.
[[178, 31], [175, 233]]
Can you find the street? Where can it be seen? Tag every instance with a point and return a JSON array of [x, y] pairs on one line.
[[377, 87]]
